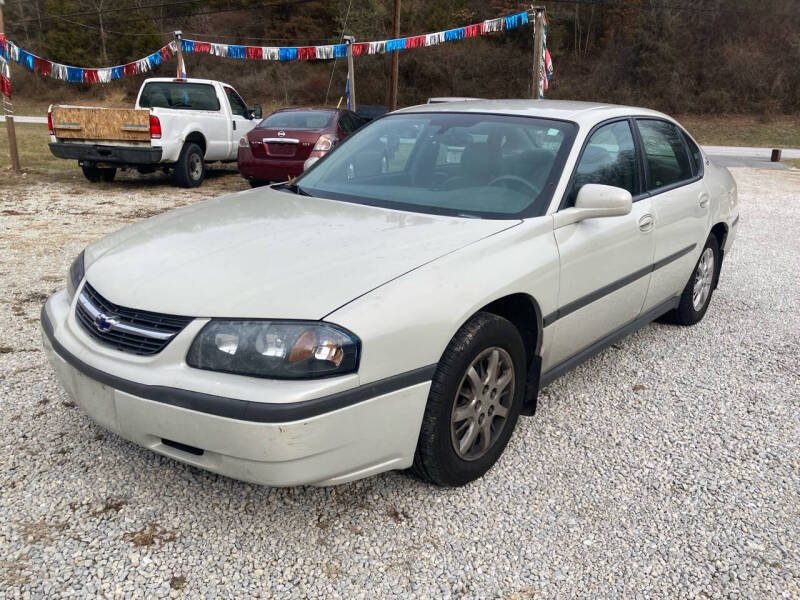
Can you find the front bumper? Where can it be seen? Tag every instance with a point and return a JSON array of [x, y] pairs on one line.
[[118, 155], [350, 441]]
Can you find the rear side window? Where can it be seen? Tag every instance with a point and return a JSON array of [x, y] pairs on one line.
[[694, 151], [609, 158], [667, 157], [174, 94]]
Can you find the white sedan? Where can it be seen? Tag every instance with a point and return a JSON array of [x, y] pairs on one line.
[[373, 316]]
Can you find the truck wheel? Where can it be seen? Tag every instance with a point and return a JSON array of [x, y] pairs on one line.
[[190, 168], [96, 174]]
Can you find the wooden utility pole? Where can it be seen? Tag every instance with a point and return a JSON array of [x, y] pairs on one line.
[[538, 50], [349, 39], [395, 58], [181, 65], [8, 109]]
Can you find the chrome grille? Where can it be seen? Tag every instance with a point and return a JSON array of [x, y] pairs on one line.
[[126, 329]]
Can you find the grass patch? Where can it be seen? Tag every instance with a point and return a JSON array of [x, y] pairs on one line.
[[744, 130], [34, 153], [793, 162]]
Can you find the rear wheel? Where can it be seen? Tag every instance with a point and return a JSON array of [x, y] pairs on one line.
[[96, 174], [474, 402], [697, 294], [190, 170]]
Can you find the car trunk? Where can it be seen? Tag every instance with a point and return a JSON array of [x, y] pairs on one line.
[[283, 144]]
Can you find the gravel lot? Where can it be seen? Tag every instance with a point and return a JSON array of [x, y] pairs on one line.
[[668, 466]]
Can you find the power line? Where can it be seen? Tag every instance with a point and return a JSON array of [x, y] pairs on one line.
[[679, 7]]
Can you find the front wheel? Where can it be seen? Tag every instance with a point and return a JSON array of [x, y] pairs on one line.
[[696, 296], [474, 402], [190, 170]]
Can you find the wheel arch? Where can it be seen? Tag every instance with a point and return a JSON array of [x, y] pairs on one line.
[[523, 311], [198, 138]]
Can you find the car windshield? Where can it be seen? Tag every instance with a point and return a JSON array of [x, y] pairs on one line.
[[298, 119], [175, 94], [467, 164]]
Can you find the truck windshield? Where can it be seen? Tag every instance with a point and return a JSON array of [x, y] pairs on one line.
[[465, 164], [298, 119], [179, 94]]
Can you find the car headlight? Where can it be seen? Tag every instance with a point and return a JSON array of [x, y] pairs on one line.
[[275, 349], [75, 276]]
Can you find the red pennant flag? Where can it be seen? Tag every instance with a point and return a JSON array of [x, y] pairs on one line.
[[254, 52], [90, 76], [42, 66], [360, 48], [473, 30], [165, 53], [417, 41], [5, 87], [307, 53], [129, 69], [202, 47]]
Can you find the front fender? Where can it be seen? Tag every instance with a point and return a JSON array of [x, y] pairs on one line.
[[407, 323]]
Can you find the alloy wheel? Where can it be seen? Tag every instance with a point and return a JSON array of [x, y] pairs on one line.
[[482, 403], [704, 277]]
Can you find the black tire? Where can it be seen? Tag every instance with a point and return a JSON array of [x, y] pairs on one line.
[[686, 313], [436, 459], [96, 174], [190, 170], [254, 183]]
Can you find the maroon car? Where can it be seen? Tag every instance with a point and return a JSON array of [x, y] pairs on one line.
[[278, 146]]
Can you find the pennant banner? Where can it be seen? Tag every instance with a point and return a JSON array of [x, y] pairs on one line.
[[47, 68], [5, 78]]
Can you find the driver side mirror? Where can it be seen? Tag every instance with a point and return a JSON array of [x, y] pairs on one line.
[[595, 200], [256, 112]]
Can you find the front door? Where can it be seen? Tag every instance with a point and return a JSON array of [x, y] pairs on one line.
[[604, 262], [241, 121]]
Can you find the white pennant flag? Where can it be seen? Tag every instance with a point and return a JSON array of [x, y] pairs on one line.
[[270, 53], [142, 65], [492, 25], [324, 52], [219, 49], [377, 47], [432, 39], [104, 75], [12, 51], [59, 72]]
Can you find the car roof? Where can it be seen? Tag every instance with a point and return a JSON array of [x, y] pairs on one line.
[[185, 80], [583, 113]]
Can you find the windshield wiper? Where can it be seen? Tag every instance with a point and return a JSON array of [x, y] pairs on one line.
[[294, 188]]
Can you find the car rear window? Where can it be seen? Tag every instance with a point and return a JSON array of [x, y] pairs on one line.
[[298, 119], [181, 95]]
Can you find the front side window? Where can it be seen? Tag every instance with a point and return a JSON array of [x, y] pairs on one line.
[[667, 158], [609, 158], [180, 95], [465, 164], [238, 107]]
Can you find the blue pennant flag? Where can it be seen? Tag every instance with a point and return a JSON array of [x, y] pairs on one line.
[[288, 54], [74, 74], [454, 34], [236, 52]]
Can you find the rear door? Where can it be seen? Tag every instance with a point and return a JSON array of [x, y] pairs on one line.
[[605, 262], [681, 206]]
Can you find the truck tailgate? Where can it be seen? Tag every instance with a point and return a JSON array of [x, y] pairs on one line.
[[101, 124]]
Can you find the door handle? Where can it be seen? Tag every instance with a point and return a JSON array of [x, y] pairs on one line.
[[646, 222], [704, 198]]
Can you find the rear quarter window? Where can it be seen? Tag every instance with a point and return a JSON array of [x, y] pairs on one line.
[[179, 95]]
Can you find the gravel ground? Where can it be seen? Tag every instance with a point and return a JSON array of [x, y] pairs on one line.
[[668, 466]]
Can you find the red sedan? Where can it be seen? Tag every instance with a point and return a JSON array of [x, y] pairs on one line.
[[278, 146]]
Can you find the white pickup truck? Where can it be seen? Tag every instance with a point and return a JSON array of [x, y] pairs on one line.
[[177, 125]]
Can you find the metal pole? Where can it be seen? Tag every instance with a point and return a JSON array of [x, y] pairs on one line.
[[181, 64], [538, 50], [395, 58], [8, 109], [349, 39]]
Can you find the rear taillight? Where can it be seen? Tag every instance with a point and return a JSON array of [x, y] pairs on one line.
[[244, 142], [155, 128], [50, 123], [325, 143]]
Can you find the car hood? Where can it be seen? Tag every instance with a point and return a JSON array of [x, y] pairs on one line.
[[269, 254]]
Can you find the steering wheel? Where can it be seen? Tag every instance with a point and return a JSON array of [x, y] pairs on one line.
[[513, 181]]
